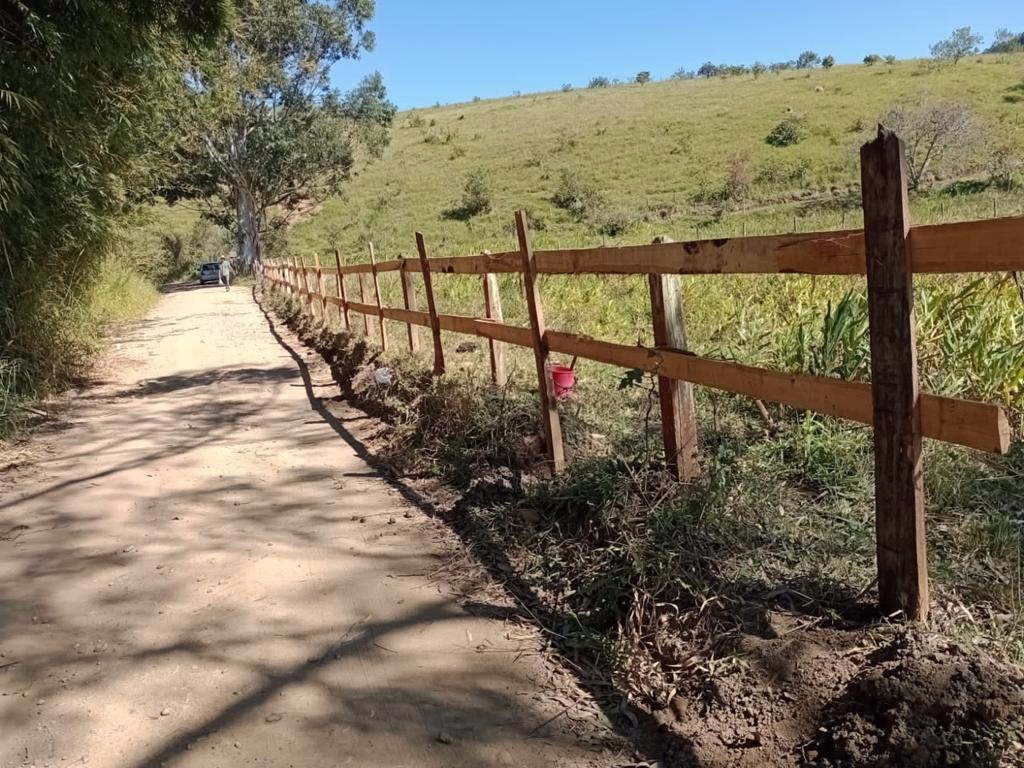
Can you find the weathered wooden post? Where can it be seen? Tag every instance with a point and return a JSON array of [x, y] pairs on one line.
[[305, 286], [492, 309], [341, 290], [320, 288], [678, 414], [376, 293], [409, 300], [899, 486], [435, 324], [541, 353], [362, 300]]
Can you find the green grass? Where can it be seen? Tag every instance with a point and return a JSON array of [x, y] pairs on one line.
[[658, 156], [652, 149]]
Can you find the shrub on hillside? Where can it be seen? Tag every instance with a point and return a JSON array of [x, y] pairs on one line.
[[1006, 41], [739, 178], [476, 192], [890, 59], [790, 131], [577, 193], [1006, 170], [708, 70], [930, 132], [872, 58], [599, 82], [643, 77], [566, 87], [828, 62], [777, 173], [807, 60], [612, 220], [963, 42]]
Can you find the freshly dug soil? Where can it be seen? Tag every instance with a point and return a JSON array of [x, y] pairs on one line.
[[853, 699], [922, 701]]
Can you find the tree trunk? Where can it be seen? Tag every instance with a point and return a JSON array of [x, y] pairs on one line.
[[248, 233]]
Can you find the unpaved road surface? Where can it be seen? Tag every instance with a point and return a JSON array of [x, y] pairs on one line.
[[199, 571]]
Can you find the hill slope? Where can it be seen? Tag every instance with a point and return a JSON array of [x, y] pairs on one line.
[[659, 154]]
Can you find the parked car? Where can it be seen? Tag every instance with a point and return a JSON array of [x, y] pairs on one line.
[[209, 273]]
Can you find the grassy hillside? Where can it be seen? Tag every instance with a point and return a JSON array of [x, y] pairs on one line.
[[658, 152], [659, 155]]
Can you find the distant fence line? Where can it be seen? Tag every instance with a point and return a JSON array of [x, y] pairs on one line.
[[888, 251]]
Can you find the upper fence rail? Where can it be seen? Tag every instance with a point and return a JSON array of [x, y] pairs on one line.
[[993, 245]]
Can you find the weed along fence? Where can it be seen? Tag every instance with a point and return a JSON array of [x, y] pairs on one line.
[[888, 251]]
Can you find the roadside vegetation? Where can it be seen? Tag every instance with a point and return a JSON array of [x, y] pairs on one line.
[[656, 579], [674, 596], [85, 91]]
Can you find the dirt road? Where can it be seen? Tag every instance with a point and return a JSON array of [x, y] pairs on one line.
[[199, 571]]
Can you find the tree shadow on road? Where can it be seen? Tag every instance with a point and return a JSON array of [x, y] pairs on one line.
[[644, 733]]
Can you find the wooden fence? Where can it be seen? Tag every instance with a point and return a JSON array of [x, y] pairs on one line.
[[888, 251]]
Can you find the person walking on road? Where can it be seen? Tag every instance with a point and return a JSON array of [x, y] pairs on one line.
[[225, 272]]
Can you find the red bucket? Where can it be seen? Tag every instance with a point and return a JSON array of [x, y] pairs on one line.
[[564, 379]]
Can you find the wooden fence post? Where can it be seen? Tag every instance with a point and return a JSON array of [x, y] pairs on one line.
[[492, 308], [376, 293], [678, 414], [294, 281], [541, 353], [409, 300], [362, 299], [320, 288], [435, 325], [341, 290], [305, 285], [899, 487]]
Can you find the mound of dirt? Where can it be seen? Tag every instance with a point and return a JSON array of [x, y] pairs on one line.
[[921, 701], [858, 698]]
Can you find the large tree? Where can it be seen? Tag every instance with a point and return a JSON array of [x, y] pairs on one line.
[[265, 129]]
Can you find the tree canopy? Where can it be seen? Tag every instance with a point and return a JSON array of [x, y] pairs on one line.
[[264, 129]]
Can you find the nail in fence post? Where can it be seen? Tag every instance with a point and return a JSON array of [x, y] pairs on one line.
[[376, 293], [492, 310], [435, 325], [341, 290], [548, 403], [409, 300], [362, 299], [678, 414], [899, 487]]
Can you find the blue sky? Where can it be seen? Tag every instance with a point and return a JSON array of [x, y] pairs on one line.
[[452, 50]]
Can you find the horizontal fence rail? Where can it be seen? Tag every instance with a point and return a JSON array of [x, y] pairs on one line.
[[887, 252], [961, 422], [993, 245]]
